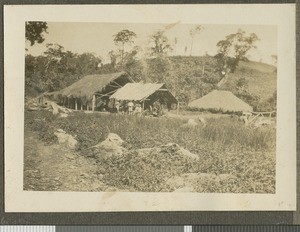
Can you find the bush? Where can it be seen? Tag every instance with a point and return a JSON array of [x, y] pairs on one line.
[[43, 123], [145, 171]]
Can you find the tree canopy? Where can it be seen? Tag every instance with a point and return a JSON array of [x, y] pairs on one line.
[[34, 32], [232, 50], [236, 46], [159, 44], [124, 37]]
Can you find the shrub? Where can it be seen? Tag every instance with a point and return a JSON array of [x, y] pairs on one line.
[[43, 123]]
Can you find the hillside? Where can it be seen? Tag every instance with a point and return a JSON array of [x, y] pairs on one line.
[[187, 77], [192, 77], [261, 79]]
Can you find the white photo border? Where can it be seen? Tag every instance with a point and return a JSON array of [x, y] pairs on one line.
[[280, 15]]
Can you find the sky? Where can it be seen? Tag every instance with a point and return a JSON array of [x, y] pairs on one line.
[[97, 38]]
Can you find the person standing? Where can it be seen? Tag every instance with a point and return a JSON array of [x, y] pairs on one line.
[[130, 107], [138, 109], [117, 106]]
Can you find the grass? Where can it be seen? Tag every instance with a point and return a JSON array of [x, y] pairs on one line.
[[224, 146], [261, 78]]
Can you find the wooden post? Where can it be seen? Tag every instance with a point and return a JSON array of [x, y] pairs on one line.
[[81, 106], [76, 104], [93, 103], [143, 105]]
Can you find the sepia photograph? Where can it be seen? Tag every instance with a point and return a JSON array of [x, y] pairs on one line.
[[154, 108], [150, 107]]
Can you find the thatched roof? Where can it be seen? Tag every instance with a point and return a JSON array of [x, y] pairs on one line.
[[87, 86], [220, 100], [140, 91]]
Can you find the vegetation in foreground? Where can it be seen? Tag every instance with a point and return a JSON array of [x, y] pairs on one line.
[[224, 146]]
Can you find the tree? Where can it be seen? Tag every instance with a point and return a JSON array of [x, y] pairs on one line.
[[185, 50], [113, 58], [57, 68], [193, 32], [34, 32], [232, 50], [54, 54], [124, 37], [159, 44], [175, 45]]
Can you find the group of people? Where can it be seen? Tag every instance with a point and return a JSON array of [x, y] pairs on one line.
[[129, 107], [135, 108]]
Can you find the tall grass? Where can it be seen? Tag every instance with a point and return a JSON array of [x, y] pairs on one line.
[[140, 132], [224, 146]]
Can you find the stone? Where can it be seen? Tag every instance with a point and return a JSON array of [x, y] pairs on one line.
[[181, 151], [192, 122], [111, 146], [202, 120], [64, 138]]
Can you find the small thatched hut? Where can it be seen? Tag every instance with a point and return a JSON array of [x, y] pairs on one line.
[[220, 100], [146, 94], [91, 92]]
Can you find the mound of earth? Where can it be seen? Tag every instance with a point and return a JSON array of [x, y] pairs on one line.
[[111, 146], [145, 169], [66, 139], [173, 149]]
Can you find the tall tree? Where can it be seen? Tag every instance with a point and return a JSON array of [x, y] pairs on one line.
[[193, 32], [232, 50], [34, 32], [159, 44], [175, 46], [113, 57], [124, 37]]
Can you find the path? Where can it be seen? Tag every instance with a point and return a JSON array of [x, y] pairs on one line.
[[54, 167]]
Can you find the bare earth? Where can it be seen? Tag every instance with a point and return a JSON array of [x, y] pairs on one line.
[[57, 168]]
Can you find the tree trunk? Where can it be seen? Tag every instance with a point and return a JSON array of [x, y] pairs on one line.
[[223, 80], [93, 102], [191, 47], [122, 54]]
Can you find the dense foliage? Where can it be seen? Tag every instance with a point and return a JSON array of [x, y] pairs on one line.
[[34, 32], [188, 78], [57, 69]]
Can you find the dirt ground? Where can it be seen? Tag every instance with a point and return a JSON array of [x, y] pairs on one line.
[[57, 168]]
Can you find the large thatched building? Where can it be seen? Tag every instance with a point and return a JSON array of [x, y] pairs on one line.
[[91, 92], [220, 100], [146, 94]]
